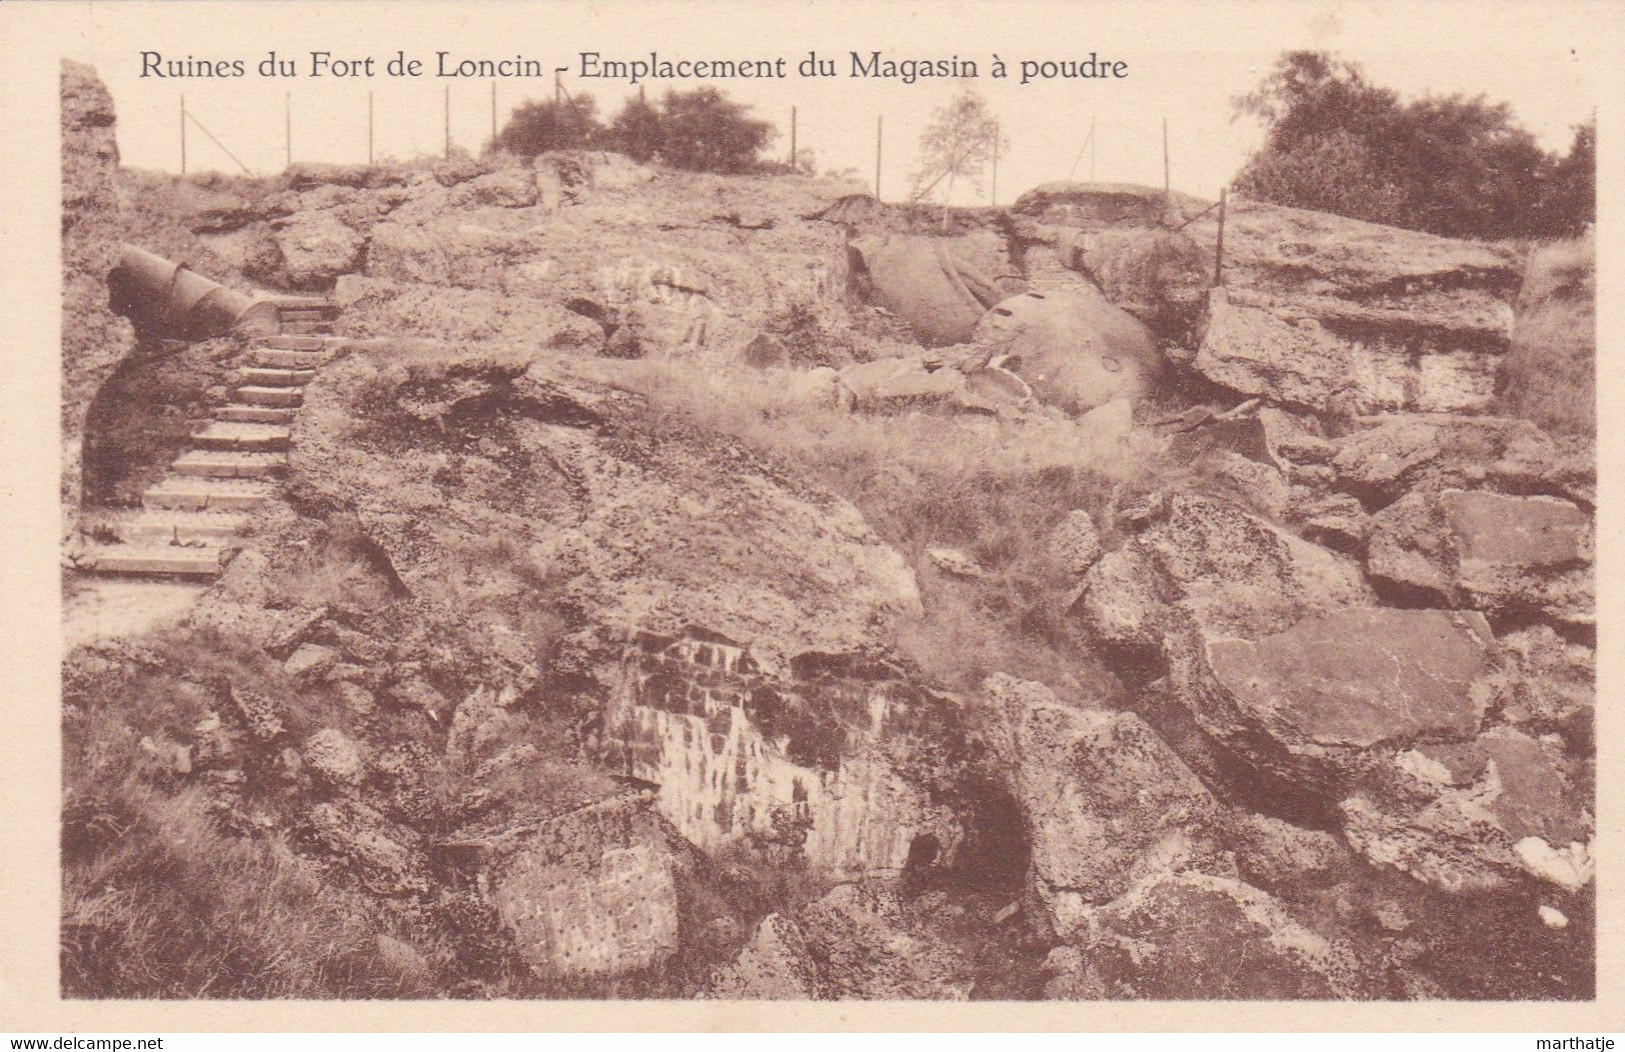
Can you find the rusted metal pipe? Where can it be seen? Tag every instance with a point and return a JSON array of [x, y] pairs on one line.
[[176, 301]]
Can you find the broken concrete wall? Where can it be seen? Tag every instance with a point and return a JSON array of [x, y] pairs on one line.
[[741, 753]]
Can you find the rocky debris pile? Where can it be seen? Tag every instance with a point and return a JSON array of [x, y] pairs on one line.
[[1341, 623], [578, 250], [857, 942], [970, 380], [541, 667], [1376, 691]]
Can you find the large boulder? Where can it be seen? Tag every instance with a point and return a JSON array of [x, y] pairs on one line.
[[587, 893], [1346, 317], [1507, 556], [1106, 802], [1074, 544], [503, 188], [1469, 816], [940, 295], [317, 248], [829, 760], [1312, 702], [1207, 564], [1074, 347], [437, 449], [1159, 276], [1201, 937]]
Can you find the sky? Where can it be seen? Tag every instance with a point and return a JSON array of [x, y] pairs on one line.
[[1185, 63]]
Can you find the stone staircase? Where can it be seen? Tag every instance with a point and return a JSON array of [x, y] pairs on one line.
[[188, 521], [1046, 273]]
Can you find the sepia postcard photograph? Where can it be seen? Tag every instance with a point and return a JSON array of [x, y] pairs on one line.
[[627, 504]]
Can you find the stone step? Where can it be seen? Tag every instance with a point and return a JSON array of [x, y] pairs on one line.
[[246, 436], [209, 463], [271, 358], [261, 377], [286, 397], [206, 494], [296, 302], [253, 414], [302, 343], [154, 526], [306, 326], [152, 559]]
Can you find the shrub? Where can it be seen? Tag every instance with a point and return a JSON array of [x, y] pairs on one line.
[[700, 130], [1450, 165], [1550, 375], [636, 130], [705, 131], [158, 901], [536, 127]]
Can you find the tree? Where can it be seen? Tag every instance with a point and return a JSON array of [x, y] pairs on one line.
[[956, 145], [1450, 165], [636, 130], [705, 131], [1571, 197], [536, 127]]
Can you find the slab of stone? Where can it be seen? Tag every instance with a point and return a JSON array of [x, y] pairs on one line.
[[174, 528], [197, 494], [1310, 701], [151, 559], [210, 463], [253, 414], [285, 397], [273, 377], [241, 435], [1504, 555]]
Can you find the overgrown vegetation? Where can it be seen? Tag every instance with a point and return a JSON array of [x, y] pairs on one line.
[[922, 480], [1550, 376], [566, 123], [1450, 165], [700, 130]]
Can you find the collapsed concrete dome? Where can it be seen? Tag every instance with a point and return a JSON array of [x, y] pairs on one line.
[[939, 295], [1075, 348]]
